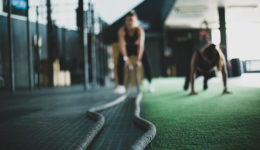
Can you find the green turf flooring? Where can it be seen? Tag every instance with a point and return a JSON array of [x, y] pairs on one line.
[[205, 121]]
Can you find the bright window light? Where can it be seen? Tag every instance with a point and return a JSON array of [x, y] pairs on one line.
[[243, 41]]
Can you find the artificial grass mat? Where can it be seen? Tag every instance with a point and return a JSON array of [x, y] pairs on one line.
[[205, 121]]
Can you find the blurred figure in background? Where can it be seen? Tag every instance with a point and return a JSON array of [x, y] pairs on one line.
[[131, 42], [206, 62]]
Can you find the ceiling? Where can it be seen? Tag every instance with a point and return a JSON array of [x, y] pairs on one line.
[[192, 13]]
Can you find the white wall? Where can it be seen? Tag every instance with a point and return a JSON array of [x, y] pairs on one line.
[[243, 41], [243, 33], [1, 5]]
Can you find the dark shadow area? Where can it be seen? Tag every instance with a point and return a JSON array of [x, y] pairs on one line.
[[7, 115]]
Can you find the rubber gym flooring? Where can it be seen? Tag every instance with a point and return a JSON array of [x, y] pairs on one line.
[[55, 119]]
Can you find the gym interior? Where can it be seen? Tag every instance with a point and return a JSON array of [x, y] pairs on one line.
[[58, 74]]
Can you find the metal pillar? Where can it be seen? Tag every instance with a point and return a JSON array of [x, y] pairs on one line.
[[37, 49], [49, 43], [93, 46], [83, 41], [10, 48], [30, 67], [86, 65], [165, 46], [63, 36], [102, 59], [222, 28]]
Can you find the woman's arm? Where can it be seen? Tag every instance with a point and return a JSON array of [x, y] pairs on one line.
[[140, 43], [224, 73], [193, 72]]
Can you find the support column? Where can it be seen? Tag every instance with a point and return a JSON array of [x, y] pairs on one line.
[[93, 46], [29, 53], [164, 47], [83, 40], [38, 53], [222, 28], [63, 39], [10, 48], [49, 43], [101, 50]]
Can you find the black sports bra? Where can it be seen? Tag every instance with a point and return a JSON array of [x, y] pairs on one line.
[[130, 40], [202, 64]]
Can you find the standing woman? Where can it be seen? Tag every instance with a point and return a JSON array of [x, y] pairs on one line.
[[131, 42]]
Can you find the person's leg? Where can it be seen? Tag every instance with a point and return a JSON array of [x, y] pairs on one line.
[[120, 69], [205, 82], [207, 77], [187, 81], [148, 72], [147, 67], [120, 74]]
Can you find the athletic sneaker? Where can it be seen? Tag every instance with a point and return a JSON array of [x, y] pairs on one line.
[[151, 88], [120, 89]]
